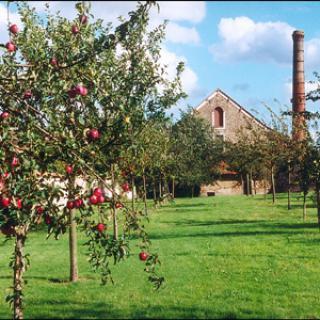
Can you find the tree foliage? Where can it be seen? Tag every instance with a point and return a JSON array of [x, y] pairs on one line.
[[76, 93]]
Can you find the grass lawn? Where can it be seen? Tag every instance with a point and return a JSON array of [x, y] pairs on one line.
[[222, 257]]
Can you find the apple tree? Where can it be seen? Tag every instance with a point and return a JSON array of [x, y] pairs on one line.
[[67, 96]]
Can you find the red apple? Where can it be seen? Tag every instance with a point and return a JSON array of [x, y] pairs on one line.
[[72, 93], [74, 29], [11, 47], [5, 115], [15, 162], [98, 192], [93, 199], [83, 19], [69, 169], [81, 90], [70, 205], [126, 187], [100, 227], [27, 95], [5, 202], [39, 210], [101, 199], [78, 203], [5, 175], [19, 203], [48, 219], [54, 62], [14, 29], [119, 205], [143, 256], [93, 134], [84, 91]]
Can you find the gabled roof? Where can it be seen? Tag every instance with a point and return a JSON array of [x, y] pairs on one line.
[[234, 103]]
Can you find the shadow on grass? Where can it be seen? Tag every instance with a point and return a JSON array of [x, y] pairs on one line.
[[186, 205], [192, 223], [254, 228], [294, 225], [72, 310], [54, 280], [224, 234], [294, 206]]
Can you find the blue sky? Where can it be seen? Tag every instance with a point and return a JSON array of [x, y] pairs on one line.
[[243, 48], [263, 72]]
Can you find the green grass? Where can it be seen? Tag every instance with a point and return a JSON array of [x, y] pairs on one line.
[[222, 257]]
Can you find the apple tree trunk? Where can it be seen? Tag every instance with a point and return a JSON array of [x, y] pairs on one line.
[[145, 193], [114, 211], [73, 254], [273, 185], [160, 188], [248, 184], [18, 269], [154, 191], [172, 187], [251, 183], [289, 187], [74, 272], [318, 203], [132, 192], [304, 206]]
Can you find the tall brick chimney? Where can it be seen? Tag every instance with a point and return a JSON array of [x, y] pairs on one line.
[[298, 90]]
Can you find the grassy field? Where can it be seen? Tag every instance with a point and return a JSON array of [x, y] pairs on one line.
[[222, 257]]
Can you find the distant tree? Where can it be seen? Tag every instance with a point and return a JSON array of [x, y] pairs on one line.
[[197, 154]]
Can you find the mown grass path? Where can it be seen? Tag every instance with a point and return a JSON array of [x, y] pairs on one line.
[[222, 257]]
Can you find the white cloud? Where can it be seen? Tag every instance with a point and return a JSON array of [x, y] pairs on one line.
[[178, 34], [244, 39], [312, 53], [191, 11], [174, 11], [189, 78]]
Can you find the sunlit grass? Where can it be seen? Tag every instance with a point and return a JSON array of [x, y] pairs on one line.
[[222, 257]]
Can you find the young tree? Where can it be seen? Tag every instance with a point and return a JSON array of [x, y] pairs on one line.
[[197, 153], [66, 96]]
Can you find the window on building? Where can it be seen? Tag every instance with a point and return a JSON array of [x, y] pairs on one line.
[[218, 118]]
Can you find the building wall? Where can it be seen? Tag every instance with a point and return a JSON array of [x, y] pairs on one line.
[[236, 118], [228, 186]]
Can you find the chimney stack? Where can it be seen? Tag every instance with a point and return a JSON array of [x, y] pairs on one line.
[[298, 90]]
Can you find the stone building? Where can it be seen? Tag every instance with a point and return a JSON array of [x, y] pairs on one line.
[[227, 117]]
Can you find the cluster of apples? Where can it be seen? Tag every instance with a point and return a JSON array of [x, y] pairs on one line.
[[10, 46], [6, 202], [97, 197], [75, 204], [83, 19], [125, 187], [78, 90]]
